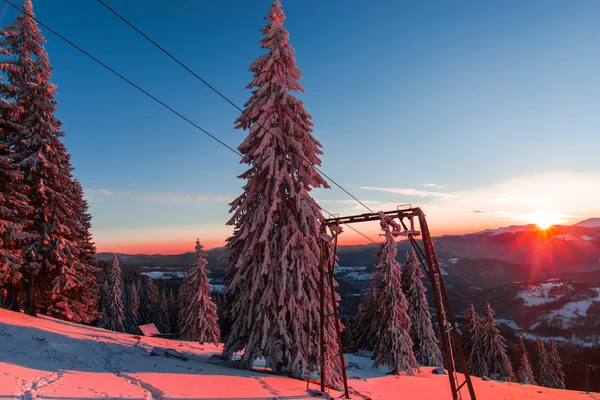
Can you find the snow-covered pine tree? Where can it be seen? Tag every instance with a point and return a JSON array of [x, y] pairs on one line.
[[426, 346], [472, 342], [494, 346], [151, 299], [198, 312], [524, 372], [541, 366], [557, 376], [114, 313], [363, 321], [52, 271], [133, 309], [273, 274], [393, 346]]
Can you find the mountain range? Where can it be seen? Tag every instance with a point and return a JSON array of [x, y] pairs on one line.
[[539, 281]]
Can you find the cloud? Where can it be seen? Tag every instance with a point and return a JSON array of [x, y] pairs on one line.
[[514, 200], [354, 205], [160, 197], [223, 199], [170, 197], [105, 192], [412, 192], [433, 185], [571, 196], [95, 195], [496, 213]]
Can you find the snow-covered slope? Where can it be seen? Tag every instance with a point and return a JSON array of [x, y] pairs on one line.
[[564, 310], [589, 223], [47, 358]]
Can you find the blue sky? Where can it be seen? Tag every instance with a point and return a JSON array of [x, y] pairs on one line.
[[494, 103]]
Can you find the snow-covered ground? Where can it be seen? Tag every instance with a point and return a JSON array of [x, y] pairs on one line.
[[540, 294], [45, 358], [511, 324], [574, 309]]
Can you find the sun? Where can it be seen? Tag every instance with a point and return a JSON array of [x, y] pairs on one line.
[[545, 220]]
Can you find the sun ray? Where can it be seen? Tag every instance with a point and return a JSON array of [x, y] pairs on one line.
[[544, 219]]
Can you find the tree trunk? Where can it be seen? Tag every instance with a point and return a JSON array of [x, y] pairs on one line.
[[12, 298]]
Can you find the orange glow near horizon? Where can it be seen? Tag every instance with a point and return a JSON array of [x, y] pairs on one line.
[[157, 247], [440, 223], [180, 246]]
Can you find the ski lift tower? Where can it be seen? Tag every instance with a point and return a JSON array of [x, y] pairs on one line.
[[403, 221]]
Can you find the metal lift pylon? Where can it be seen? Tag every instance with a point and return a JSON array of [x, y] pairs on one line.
[[328, 259], [451, 346]]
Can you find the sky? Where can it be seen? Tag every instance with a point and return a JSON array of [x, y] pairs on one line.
[[482, 113]]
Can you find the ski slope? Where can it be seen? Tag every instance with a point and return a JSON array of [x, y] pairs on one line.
[[45, 358]]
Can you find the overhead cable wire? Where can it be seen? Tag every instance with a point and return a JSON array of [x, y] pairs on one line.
[[131, 83], [220, 94], [145, 92]]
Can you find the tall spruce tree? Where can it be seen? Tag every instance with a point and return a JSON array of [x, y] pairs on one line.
[[472, 341], [557, 376], [426, 346], [53, 272], [524, 372], [198, 312], [393, 346], [273, 274], [541, 366], [114, 312], [363, 321], [494, 346]]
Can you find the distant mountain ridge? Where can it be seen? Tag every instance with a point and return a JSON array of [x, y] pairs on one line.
[[574, 248], [589, 223], [508, 266]]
